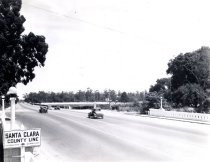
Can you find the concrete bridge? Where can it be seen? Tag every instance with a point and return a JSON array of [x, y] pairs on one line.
[[68, 105]]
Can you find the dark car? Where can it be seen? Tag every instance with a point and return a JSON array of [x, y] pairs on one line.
[[56, 108], [43, 109], [95, 114]]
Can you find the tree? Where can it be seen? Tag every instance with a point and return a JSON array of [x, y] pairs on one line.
[[161, 85], [31, 98], [19, 53], [80, 96], [191, 95], [208, 94], [112, 95], [152, 100], [97, 96], [189, 81], [89, 95], [190, 68], [163, 88], [124, 97], [106, 95]]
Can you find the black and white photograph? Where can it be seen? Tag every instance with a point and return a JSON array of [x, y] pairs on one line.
[[104, 80]]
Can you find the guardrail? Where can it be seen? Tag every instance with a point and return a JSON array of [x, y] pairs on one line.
[[180, 115]]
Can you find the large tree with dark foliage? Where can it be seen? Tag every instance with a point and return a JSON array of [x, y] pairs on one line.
[[189, 81], [191, 95], [161, 85], [192, 67], [19, 53]]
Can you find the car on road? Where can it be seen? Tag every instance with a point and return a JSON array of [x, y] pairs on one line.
[[56, 108], [95, 114], [43, 109]]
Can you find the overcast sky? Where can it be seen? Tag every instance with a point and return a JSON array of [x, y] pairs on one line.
[[112, 44]]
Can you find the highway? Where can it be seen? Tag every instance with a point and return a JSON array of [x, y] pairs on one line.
[[68, 136]]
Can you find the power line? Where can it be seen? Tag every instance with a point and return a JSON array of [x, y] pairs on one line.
[[73, 18], [93, 24]]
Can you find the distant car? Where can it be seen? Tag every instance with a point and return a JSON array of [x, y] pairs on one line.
[[95, 114], [43, 109], [56, 108]]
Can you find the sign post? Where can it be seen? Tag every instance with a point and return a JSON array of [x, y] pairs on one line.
[[12, 99], [3, 111], [22, 149], [22, 154]]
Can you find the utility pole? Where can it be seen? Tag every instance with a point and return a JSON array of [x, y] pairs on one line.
[[109, 100], [161, 103]]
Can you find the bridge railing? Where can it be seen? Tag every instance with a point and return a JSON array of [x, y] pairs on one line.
[[180, 115]]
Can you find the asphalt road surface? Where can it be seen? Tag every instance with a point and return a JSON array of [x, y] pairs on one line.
[[68, 136]]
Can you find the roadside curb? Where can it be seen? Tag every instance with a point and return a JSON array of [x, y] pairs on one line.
[[160, 117], [167, 118]]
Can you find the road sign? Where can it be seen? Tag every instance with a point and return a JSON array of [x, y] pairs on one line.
[[22, 138]]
